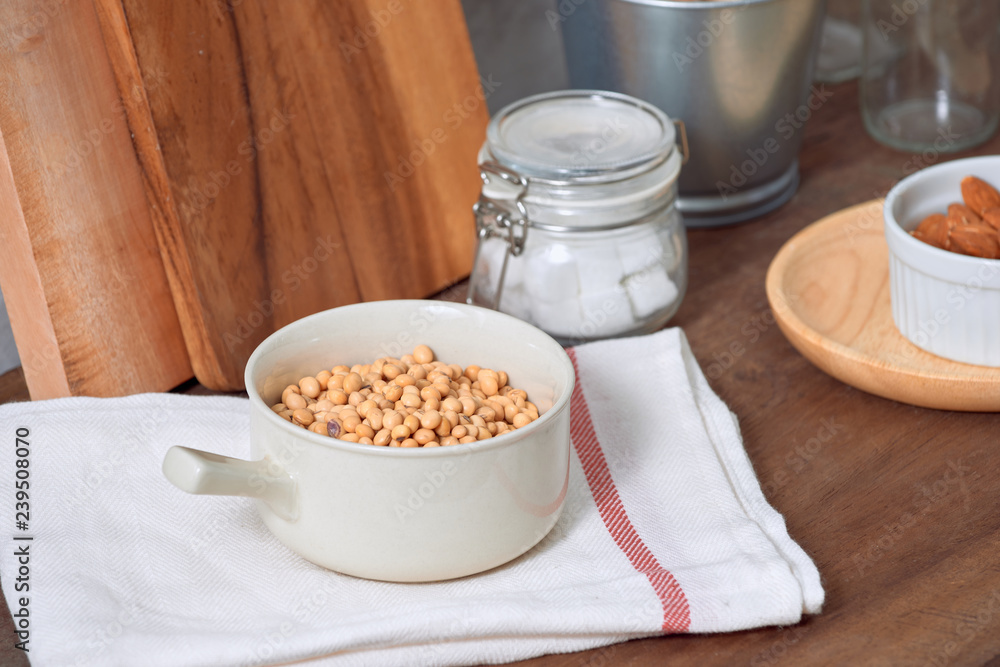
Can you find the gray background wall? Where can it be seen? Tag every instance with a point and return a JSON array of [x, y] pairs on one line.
[[519, 45]]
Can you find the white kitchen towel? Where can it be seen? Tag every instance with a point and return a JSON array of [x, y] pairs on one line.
[[124, 569]]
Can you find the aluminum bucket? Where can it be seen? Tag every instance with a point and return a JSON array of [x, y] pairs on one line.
[[739, 74]]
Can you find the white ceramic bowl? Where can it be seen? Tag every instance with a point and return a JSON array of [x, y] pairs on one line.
[[942, 302], [389, 513]]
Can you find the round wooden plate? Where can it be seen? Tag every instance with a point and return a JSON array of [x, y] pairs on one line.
[[829, 289]]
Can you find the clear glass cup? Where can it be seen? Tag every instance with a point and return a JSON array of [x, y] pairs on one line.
[[839, 57], [930, 73]]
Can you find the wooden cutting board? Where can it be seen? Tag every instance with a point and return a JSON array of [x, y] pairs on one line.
[[80, 266], [298, 155]]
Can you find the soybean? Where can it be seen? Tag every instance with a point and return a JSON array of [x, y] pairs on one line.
[[303, 417], [294, 401], [413, 401], [309, 386], [423, 354]]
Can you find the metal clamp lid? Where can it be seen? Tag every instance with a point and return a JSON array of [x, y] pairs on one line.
[[495, 220]]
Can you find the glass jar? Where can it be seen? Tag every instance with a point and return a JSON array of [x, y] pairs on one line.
[[839, 57], [578, 229], [931, 73]]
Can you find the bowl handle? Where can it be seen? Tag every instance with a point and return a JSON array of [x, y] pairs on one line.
[[204, 473]]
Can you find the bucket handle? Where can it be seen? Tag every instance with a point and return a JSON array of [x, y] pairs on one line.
[[685, 150]]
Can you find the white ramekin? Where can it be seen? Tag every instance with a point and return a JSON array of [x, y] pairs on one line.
[[942, 302]]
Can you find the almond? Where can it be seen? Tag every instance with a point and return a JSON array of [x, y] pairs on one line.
[[991, 216], [979, 195], [963, 215], [976, 240], [934, 230]]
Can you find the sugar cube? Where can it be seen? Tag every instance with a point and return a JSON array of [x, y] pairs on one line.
[[550, 274], [606, 313], [558, 318], [638, 253], [650, 291]]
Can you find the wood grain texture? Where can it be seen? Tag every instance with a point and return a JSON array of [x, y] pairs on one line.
[[21, 281], [897, 505], [906, 547], [90, 306], [828, 288], [310, 155]]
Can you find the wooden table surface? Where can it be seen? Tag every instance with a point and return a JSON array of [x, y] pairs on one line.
[[899, 508]]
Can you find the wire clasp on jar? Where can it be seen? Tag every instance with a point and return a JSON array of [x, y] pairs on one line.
[[495, 219]]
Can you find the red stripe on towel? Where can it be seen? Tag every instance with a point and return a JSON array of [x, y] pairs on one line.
[[676, 612]]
